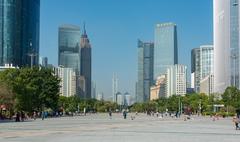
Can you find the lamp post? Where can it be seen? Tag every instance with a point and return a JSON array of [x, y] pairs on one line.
[[179, 106], [32, 54]]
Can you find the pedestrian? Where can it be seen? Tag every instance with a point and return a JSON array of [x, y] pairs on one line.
[[34, 115], [22, 116], [84, 111], [236, 122], [110, 114], [124, 114], [17, 117], [43, 115]]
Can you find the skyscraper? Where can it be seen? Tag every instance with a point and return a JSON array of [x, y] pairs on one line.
[[145, 70], [19, 32], [176, 83], [68, 81], [69, 47], [226, 44], [44, 62], [86, 63], [94, 90], [202, 64], [195, 69], [165, 48]]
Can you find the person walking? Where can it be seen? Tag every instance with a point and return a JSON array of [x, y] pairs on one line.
[[84, 111], [110, 113], [22, 116], [34, 115], [236, 122], [18, 117], [43, 115], [124, 114]]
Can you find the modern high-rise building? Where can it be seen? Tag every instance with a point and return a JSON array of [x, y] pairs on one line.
[[68, 81], [145, 70], [19, 32], [176, 83], [43, 61], [69, 47], [100, 96], [127, 99], [165, 48], [86, 63], [226, 44], [94, 90], [195, 69], [202, 64], [206, 85]]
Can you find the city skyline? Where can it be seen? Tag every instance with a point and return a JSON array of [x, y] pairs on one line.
[[127, 29]]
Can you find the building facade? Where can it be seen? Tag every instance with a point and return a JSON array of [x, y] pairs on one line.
[[145, 70], [86, 64], [202, 64], [100, 96], [7, 66], [68, 81], [176, 83], [19, 32], [195, 69], [43, 61], [226, 44], [206, 85], [165, 48], [127, 99], [69, 47], [159, 89]]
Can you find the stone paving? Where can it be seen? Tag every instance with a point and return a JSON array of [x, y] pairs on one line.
[[99, 128]]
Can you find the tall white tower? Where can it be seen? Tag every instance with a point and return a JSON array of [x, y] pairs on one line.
[[114, 87], [226, 44]]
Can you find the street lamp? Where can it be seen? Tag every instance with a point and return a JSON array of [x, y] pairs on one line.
[[179, 106], [31, 54]]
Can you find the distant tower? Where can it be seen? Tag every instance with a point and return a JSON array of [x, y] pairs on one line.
[[165, 48], [86, 63], [114, 87], [145, 70]]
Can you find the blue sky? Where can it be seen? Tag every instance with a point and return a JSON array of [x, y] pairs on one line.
[[114, 26]]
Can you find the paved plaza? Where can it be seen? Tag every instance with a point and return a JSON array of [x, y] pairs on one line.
[[99, 128]]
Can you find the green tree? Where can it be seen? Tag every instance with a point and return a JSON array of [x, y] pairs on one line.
[[231, 97], [35, 88], [7, 99]]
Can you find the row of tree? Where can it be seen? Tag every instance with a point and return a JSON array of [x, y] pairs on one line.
[[37, 89], [76, 104], [194, 103], [32, 90]]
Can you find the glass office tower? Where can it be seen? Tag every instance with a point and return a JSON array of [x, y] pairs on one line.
[[69, 47], [165, 48], [226, 44], [19, 32], [202, 64], [145, 71]]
